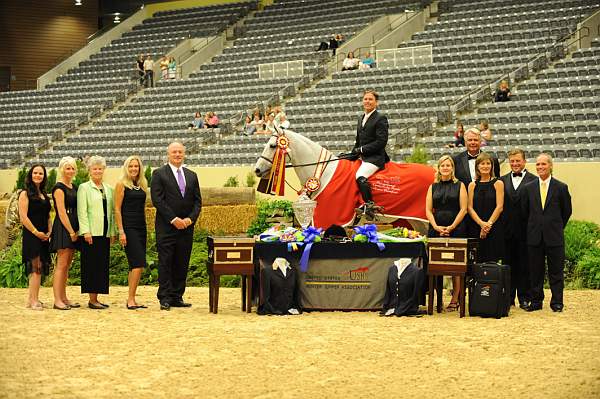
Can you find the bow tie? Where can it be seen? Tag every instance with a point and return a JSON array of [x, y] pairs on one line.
[[517, 174], [471, 156]]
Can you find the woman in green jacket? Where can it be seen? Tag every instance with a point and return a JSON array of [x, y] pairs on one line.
[[95, 211]]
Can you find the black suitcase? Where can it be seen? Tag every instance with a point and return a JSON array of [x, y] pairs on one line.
[[489, 290]]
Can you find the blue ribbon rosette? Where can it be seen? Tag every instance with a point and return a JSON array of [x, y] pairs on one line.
[[370, 231], [311, 235]]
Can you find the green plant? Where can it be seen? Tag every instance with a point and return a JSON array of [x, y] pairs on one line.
[[232, 181], [51, 179], [82, 174], [419, 155], [580, 236], [588, 268], [250, 179], [148, 174], [20, 183], [265, 210], [12, 270]]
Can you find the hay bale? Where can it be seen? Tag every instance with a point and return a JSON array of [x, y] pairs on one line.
[[228, 196], [228, 219]]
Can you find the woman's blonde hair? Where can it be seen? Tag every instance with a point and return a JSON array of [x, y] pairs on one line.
[[438, 175], [64, 162], [126, 179], [483, 156]]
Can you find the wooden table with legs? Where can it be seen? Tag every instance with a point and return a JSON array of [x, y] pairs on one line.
[[230, 256], [449, 257]]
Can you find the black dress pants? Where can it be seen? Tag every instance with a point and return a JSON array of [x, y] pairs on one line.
[[517, 259], [555, 256], [174, 249]]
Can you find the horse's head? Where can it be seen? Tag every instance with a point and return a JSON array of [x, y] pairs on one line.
[[265, 161]]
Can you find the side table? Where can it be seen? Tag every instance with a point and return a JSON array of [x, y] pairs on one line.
[[230, 256]]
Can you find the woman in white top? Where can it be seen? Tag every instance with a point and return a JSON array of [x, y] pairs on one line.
[[350, 62]]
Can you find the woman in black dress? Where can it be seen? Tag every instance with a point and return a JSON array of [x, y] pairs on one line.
[[64, 239], [95, 211], [34, 212], [446, 207], [486, 201], [130, 202]]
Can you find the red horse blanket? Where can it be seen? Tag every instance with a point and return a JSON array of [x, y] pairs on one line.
[[400, 188]]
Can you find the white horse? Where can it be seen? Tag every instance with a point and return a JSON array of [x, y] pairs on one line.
[[399, 188]]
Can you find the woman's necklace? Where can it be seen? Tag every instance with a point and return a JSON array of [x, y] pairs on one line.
[[136, 187]]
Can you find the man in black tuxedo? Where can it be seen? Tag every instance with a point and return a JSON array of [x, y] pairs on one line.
[[176, 196], [515, 231], [371, 139], [464, 162], [547, 204]]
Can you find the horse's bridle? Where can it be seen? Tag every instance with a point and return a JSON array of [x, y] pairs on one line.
[[291, 165]]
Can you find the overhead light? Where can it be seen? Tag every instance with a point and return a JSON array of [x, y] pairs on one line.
[[142, 7], [77, 2], [117, 18]]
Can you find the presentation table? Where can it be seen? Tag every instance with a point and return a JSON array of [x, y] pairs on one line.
[[341, 276]]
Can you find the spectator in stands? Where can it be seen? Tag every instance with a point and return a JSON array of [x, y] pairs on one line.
[[367, 62], [459, 136], [284, 123], [503, 92], [340, 38], [211, 120], [350, 62], [333, 44], [486, 133], [257, 121], [164, 67], [323, 46], [172, 68], [249, 126], [197, 123], [279, 115], [34, 213], [149, 71], [269, 125], [139, 64], [64, 238], [96, 214]]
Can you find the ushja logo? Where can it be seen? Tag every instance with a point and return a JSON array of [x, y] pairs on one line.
[[356, 274]]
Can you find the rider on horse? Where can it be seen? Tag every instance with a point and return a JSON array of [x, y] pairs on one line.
[[371, 139]]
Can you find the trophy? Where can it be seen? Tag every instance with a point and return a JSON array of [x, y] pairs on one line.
[[304, 209]]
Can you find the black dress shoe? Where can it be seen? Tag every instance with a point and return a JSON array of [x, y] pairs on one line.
[[165, 306], [181, 304], [533, 307], [557, 308]]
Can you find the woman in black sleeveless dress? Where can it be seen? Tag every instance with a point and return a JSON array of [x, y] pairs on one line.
[[486, 201], [64, 239], [446, 207], [130, 203], [34, 212]]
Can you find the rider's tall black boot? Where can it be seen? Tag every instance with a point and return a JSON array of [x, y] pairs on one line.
[[365, 190]]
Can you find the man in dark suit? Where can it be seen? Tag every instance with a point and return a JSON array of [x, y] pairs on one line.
[[176, 195], [515, 231], [464, 162], [371, 139], [547, 204]]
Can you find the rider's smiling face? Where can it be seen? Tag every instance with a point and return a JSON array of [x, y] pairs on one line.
[[369, 102]]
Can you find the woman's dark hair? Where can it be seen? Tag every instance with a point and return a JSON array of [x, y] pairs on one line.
[[32, 190]]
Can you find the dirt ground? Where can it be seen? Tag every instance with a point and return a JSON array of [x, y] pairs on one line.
[[187, 353]]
